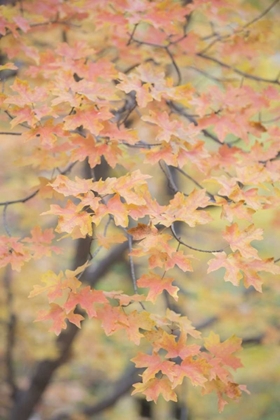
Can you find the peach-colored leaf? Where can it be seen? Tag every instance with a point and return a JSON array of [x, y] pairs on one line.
[[157, 285]]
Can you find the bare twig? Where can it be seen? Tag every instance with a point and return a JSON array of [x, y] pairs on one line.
[[175, 65], [131, 264], [132, 35], [10, 133], [181, 111], [261, 15], [171, 183], [240, 72], [191, 247], [28, 197]]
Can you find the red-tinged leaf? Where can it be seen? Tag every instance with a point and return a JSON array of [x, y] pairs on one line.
[[72, 220], [40, 242], [69, 274], [26, 94], [154, 364], [109, 240], [183, 322], [230, 263], [136, 321], [153, 388], [48, 133], [91, 119], [240, 240], [132, 83], [118, 210], [177, 347], [251, 268], [181, 260], [22, 23], [13, 252], [157, 285], [67, 187], [75, 319], [224, 351], [24, 115], [223, 390], [167, 126], [185, 209], [163, 152], [86, 148], [192, 369], [113, 318], [87, 299], [57, 315], [53, 286], [124, 299]]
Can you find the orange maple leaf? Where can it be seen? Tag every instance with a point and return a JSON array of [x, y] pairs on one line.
[[240, 240], [192, 369], [154, 387], [86, 298], [58, 315], [157, 285], [155, 364]]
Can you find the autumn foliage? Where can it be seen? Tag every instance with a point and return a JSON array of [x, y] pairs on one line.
[[148, 129]]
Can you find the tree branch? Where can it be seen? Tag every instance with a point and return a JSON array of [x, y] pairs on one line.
[[240, 72], [118, 389], [10, 337]]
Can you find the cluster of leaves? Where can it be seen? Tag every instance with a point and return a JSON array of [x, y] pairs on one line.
[[115, 90]]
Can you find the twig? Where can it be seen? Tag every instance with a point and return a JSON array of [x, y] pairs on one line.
[[131, 264], [168, 175], [224, 37], [28, 197], [10, 133], [175, 65], [261, 15], [132, 34], [179, 110], [191, 247], [240, 72]]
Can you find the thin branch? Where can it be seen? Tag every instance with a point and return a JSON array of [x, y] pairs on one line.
[[131, 264], [168, 175], [241, 73], [179, 110], [261, 15], [175, 65], [191, 247], [210, 77], [195, 182], [28, 197], [118, 389], [221, 38], [188, 176], [132, 35], [10, 133], [20, 200]]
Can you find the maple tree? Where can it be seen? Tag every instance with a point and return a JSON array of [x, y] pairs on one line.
[[144, 132]]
